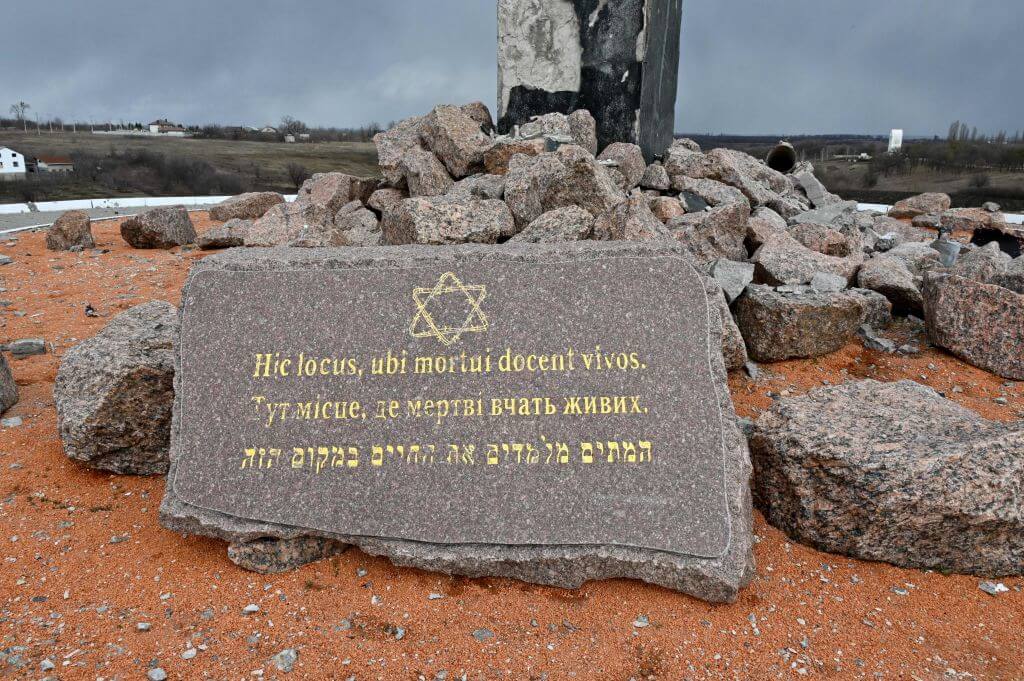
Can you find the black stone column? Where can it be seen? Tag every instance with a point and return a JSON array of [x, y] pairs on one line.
[[619, 59]]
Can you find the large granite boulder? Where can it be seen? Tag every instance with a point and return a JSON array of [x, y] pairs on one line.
[[629, 163], [424, 174], [734, 349], [71, 230], [8, 388], [732, 276], [656, 178], [1010, 238], [284, 223], [333, 191], [114, 393], [922, 204], [796, 321], [782, 259], [631, 220], [824, 239], [571, 223], [713, 234], [229, 235], [711, 192], [439, 220], [250, 206], [392, 146], [763, 224], [456, 139], [666, 207], [893, 472], [982, 324], [164, 227], [498, 157], [893, 279], [569, 176], [981, 264], [836, 215], [353, 225]]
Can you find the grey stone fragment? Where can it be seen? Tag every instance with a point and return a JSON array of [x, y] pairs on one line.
[[5, 260], [823, 282], [656, 177], [836, 214], [156, 674], [25, 347], [71, 230], [782, 260], [872, 341], [815, 190], [439, 220], [579, 126], [717, 579], [114, 393], [734, 349], [763, 224], [8, 388], [732, 276], [981, 264], [164, 227], [936, 491], [250, 206], [229, 235], [271, 556], [385, 199], [711, 192], [285, 660], [571, 223], [798, 323]]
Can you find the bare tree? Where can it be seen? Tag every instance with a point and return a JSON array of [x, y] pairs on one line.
[[297, 173], [292, 126], [20, 111]]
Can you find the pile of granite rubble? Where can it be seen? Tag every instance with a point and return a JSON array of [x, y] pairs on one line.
[[890, 472]]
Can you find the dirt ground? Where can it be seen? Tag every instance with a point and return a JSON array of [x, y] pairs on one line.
[[85, 561]]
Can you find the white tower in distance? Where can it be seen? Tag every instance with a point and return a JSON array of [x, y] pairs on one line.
[[895, 141]]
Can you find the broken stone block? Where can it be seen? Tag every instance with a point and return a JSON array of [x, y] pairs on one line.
[[713, 234], [71, 230], [797, 322], [439, 220], [284, 222], [424, 174], [269, 555], [845, 470], [333, 191], [250, 206], [571, 223], [982, 324], [665, 207], [656, 177], [629, 163], [229, 235], [164, 227], [114, 393], [734, 277], [892, 278], [497, 158], [784, 260], [922, 204], [631, 220], [456, 139], [393, 145], [482, 186]]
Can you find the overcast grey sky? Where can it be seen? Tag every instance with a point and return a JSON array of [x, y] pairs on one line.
[[747, 66]]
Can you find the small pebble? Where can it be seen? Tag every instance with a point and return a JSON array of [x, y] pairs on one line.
[[188, 654], [641, 622], [993, 588], [483, 634], [285, 660], [143, 626], [251, 609], [157, 674]]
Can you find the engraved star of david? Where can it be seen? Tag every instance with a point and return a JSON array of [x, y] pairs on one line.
[[448, 331]]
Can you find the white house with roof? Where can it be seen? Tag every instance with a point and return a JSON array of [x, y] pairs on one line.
[[12, 164]]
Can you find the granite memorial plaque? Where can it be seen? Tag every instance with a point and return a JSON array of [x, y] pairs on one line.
[[517, 397]]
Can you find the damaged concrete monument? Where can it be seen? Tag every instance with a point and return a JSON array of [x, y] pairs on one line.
[[619, 59]]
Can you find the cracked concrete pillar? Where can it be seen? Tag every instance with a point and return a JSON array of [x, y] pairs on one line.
[[619, 59]]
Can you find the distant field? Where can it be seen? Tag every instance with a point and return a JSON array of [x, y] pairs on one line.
[[259, 165]]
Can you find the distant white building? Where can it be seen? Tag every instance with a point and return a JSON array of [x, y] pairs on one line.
[[55, 164], [12, 164], [895, 140], [162, 126]]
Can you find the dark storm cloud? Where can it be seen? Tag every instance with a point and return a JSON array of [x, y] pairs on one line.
[[747, 65]]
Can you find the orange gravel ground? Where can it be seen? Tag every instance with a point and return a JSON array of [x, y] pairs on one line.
[[84, 558]]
